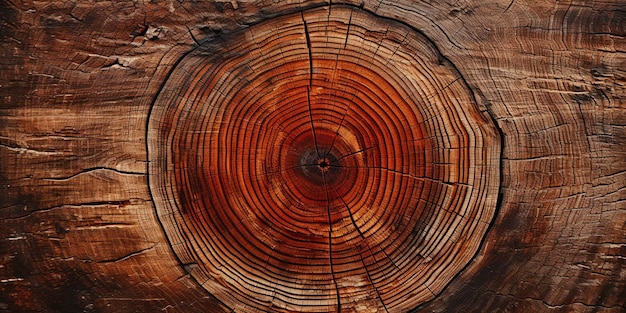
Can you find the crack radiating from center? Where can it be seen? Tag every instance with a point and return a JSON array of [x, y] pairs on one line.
[[308, 88], [330, 243]]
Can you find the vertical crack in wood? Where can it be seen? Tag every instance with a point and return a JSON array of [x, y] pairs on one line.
[[363, 236], [369, 249], [345, 43], [332, 83], [332, 143], [330, 243], [308, 96], [192, 36], [308, 45], [369, 277], [308, 89]]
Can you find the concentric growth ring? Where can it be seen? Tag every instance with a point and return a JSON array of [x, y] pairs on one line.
[[322, 161]]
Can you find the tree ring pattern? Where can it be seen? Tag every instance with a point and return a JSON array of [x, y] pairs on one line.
[[320, 161]]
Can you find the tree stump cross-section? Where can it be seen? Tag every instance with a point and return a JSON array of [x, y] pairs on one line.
[[284, 156], [327, 160]]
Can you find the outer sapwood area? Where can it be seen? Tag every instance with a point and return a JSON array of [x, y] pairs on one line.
[[260, 156]]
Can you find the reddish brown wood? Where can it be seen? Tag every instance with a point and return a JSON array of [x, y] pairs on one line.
[[321, 161], [83, 226]]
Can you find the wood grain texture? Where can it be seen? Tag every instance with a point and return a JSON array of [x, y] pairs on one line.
[[79, 230], [322, 161]]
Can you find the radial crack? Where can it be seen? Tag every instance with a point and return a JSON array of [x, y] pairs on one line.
[[308, 89], [333, 83], [356, 152], [308, 95], [332, 143], [308, 45], [330, 243], [345, 43], [369, 277], [358, 229]]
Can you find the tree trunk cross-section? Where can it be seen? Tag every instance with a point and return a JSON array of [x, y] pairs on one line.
[[313, 156], [326, 160]]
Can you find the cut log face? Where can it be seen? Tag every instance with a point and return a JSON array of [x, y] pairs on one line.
[[327, 160], [306, 197]]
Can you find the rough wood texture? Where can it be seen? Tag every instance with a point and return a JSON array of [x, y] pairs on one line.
[[79, 230], [322, 161]]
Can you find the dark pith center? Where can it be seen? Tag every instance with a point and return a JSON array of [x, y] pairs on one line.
[[319, 165], [323, 164]]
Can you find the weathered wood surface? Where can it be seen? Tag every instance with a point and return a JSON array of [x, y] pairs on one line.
[[79, 230]]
